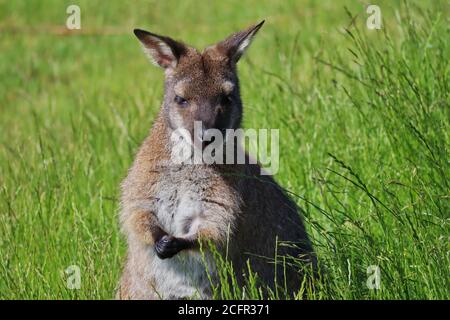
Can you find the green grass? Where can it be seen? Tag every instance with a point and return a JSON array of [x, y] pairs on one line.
[[364, 135]]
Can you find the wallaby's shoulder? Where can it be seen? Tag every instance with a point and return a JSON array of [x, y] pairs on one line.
[[150, 158]]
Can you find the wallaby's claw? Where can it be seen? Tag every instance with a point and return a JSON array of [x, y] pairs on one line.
[[167, 247]]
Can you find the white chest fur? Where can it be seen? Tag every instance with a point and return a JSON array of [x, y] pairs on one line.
[[182, 206], [179, 207]]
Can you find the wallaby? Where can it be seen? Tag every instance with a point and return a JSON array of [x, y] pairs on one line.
[[169, 210]]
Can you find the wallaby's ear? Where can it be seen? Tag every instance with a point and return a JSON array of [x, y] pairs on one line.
[[163, 51], [235, 45]]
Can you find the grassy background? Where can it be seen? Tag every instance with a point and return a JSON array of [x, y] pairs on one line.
[[363, 118]]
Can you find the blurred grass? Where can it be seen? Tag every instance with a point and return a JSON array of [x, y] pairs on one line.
[[363, 118]]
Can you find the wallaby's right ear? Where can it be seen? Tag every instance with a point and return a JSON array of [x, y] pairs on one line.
[[163, 51], [235, 45]]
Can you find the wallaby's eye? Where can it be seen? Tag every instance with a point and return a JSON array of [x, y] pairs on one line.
[[181, 101], [226, 99]]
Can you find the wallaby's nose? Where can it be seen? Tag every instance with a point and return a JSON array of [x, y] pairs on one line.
[[207, 117], [200, 130], [199, 134], [204, 121]]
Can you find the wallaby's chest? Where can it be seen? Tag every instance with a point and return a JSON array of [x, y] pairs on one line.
[[179, 199]]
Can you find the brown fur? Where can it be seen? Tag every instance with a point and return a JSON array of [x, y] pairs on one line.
[[243, 212]]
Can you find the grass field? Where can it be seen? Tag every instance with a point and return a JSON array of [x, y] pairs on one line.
[[364, 123]]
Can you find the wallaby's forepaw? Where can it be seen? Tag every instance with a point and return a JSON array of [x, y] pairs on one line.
[[168, 246]]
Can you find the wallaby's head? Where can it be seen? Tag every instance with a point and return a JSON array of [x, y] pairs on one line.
[[200, 86]]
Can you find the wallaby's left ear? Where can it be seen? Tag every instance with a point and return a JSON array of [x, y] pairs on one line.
[[235, 45], [163, 51]]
